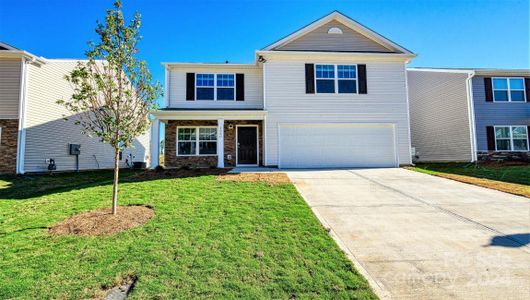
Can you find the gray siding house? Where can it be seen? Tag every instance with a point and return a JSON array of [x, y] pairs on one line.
[[32, 125], [468, 114]]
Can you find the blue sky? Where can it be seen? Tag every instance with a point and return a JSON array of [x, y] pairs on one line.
[[466, 33]]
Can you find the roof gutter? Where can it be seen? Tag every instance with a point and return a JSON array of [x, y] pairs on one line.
[[30, 58], [303, 55]]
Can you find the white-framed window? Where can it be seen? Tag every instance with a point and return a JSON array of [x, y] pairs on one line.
[[330, 79], [511, 138], [205, 86], [216, 87], [200, 140], [226, 87], [508, 89]]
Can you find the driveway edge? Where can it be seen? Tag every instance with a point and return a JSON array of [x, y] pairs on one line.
[[377, 287]]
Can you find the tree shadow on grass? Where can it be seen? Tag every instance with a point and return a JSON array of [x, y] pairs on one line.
[[511, 240], [29, 186]]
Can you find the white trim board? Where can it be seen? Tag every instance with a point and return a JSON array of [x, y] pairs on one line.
[[209, 114]]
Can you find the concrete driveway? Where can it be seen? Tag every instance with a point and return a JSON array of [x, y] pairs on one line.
[[416, 236]]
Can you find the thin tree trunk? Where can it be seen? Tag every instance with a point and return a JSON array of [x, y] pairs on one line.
[[115, 187]]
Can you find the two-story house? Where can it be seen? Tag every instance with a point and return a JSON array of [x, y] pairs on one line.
[[332, 94], [33, 131], [469, 114]]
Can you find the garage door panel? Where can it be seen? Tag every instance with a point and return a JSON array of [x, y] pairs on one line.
[[337, 145]]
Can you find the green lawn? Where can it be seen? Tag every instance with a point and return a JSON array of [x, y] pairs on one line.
[[202, 243], [519, 174]]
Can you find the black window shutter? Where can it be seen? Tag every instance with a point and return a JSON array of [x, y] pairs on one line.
[[363, 87], [240, 87], [309, 78], [527, 88], [190, 86], [489, 89], [490, 133]]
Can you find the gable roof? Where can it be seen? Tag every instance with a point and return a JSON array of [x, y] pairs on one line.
[[350, 23]]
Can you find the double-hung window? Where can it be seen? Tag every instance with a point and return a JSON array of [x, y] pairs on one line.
[[325, 77], [225, 87], [340, 79], [205, 86], [511, 138], [508, 89], [196, 141], [347, 77], [215, 86]]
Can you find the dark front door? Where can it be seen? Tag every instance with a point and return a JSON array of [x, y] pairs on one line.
[[247, 145]]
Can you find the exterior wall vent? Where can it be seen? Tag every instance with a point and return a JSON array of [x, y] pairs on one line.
[[334, 30]]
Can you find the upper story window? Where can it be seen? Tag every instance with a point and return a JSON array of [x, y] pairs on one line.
[[205, 87], [225, 86], [508, 89], [511, 138], [336, 78], [215, 86]]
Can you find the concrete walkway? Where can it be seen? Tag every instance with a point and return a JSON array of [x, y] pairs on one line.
[[416, 236]]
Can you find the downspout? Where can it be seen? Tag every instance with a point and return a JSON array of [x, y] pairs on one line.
[[264, 122], [166, 86], [408, 117], [471, 111], [22, 110]]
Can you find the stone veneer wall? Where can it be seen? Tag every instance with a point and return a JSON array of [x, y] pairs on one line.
[[504, 156], [8, 146], [170, 152]]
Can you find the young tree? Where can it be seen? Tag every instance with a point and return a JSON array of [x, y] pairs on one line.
[[112, 91]]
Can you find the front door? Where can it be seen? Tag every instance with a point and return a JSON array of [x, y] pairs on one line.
[[247, 145]]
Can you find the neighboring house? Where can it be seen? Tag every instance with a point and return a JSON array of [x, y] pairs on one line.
[[467, 114], [332, 94], [32, 127]]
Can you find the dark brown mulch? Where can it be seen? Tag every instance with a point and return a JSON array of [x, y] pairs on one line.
[[103, 222], [270, 178]]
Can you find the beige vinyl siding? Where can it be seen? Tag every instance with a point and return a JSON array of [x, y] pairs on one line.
[[287, 102], [253, 87], [48, 134], [319, 40], [439, 116], [9, 88]]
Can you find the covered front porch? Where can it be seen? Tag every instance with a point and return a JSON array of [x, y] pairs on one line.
[[208, 138]]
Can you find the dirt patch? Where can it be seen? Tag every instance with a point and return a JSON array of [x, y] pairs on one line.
[[270, 178], [103, 222], [512, 188]]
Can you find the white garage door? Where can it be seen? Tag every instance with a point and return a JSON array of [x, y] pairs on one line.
[[336, 145]]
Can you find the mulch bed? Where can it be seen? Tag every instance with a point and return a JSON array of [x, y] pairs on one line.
[[103, 222], [270, 178]]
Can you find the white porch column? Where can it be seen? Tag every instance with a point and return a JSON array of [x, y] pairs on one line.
[[220, 143], [155, 143]]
